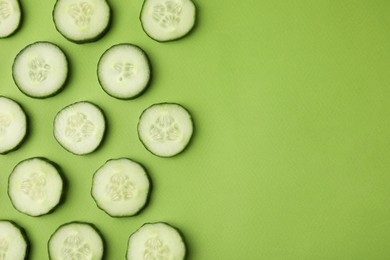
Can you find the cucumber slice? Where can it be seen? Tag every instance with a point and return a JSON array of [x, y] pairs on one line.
[[156, 241], [35, 186], [14, 244], [80, 127], [82, 21], [165, 129], [40, 70], [76, 240], [167, 20], [13, 125], [121, 187], [124, 71], [10, 17]]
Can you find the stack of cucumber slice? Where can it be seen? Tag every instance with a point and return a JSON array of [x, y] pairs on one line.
[[120, 187]]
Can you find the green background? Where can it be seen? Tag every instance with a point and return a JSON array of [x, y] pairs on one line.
[[290, 159]]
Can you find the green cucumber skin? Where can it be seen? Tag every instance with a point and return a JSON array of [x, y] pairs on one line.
[[150, 73], [105, 128], [63, 84], [161, 222], [26, 135], [64, 185], [147, 198], [194, 25], [79, 222], [189, 141], [24, 235], [20, 22], [88, 40]]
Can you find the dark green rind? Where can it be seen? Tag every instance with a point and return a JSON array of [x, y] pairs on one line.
[[143, 89], [26, 134], [64, 185], [147, 197], [187, 144], [88, 40], [172, 39], [19, 24], [161, 222], [51, 94], [78, 222], [104, 130], [24, 235]]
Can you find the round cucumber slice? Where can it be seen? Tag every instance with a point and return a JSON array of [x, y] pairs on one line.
[[165, 129], [35, 187], [13, 125], [40, 70], [80, 127], [76, 240], [124, 71], [14, 244], [82, 21], [167, 20], [156, 241], [10, 17], [121, 187]]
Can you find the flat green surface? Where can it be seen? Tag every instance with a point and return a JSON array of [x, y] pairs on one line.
[[290, 159]]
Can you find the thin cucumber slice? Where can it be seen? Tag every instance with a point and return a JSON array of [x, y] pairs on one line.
[[124, 71], [156, 241], [40, 70], [13, 125], [35, 187], [80, 127], [165, 129], [76, 240], [82, 21], [10, 17], [14, 244], [121, 187], [167, 20]]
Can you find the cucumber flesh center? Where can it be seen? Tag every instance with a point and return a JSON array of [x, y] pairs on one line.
[[165, 129], [38, 69], [81, 14], [35, 186], [155, 248], [120, 188], [124, 70], [167, 14], [78, 127], [76, 248]]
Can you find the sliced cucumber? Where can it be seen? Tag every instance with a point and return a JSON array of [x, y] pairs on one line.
[[76, 241], [35, 186], [124, 71], [13, 125], [10, 17], [80, 127], [121, 187], [82, 21], [167, 20], [156, 241], [165, 129], [14, 244], [40, 70]]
